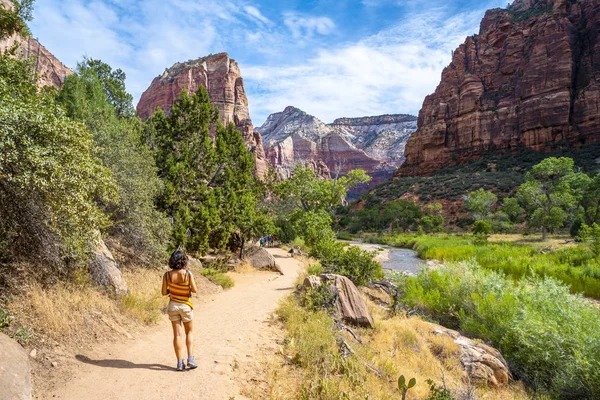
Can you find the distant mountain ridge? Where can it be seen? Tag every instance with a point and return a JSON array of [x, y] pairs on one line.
[[375, 144]]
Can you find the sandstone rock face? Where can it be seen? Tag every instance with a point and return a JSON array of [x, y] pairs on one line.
[[50, 70], [221, 76], [382, 138], [374, 144], [350, 305], [104, 272], [528, 79], [483, 364], [15, 378], [260, 258]]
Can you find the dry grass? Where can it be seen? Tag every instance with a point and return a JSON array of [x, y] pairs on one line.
[[244, 267], [535, 240], [310, 365], [77, 312]]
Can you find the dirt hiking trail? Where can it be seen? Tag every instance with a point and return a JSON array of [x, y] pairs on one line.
[[231, 334]]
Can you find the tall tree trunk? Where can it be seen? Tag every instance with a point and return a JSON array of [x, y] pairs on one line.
[[242, 248], [543, 233]]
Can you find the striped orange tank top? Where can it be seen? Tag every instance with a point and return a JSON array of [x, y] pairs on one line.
[[180, 292]]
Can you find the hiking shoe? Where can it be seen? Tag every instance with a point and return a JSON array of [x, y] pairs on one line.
[[192, 363], [180, 365]]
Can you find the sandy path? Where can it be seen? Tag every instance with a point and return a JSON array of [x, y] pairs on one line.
[[231, 335]]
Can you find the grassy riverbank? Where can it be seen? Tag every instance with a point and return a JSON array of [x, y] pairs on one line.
[[574, 265], [549, 337]]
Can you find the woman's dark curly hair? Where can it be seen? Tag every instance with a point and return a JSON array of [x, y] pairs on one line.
[[178, 260]]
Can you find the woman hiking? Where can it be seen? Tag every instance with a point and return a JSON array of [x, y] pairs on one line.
[[179, 284]]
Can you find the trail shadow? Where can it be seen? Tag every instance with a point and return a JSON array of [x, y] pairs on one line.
[[124, 364], [285, 288], [279, 256]]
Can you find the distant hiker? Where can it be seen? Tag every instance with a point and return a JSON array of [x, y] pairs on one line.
[[299, 251], [269, 240], [179, 285], [291, 252], [262, 241]]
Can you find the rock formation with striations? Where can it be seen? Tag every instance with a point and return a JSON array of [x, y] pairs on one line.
[[51, 72], [374, 144], [530, 78], [221, 76]]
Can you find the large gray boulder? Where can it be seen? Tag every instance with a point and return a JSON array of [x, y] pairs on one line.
[[15, 379], [351, 307], [260, 258], [484, 364], [104, 272]]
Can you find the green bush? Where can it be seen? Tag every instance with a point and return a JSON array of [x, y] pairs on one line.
[[51, 181], [321, 298], [481, 227], [218, 277], [548, 336], [351, 261]]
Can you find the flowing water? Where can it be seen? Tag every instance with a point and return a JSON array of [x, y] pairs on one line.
[[396, 259]]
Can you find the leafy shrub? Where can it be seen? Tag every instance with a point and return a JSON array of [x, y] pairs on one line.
[[218, 277], [548, 336], [51, 181], [481, 227], [351, 261], [321, 298]]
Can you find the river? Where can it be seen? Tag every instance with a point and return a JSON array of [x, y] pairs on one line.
[[394, 258]]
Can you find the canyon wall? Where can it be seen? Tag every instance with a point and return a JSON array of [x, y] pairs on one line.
[[221, 76], [51, 72], [530, 78]]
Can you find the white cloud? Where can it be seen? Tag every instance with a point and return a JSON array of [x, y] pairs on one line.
[[308, 26], [256, 14], [390, 72]]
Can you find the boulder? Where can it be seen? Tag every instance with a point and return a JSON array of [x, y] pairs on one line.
[[350, 305], [104, 272], [260, 258], [484, 364], [194, 263], [15, 379], [206, 286]]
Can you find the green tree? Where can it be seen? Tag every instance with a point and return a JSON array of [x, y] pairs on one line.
[[120, 144], [113, 84], [185, 156], [433, 219], [51, 182], [312, 193], [402, 214], [551, 191], [591, 201], [480, 204], [512, 208], [14, 17]]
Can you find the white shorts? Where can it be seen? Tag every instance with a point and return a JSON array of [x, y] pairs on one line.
[[180, 312]]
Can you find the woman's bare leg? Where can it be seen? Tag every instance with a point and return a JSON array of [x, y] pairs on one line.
[[178, 339], [189, 337]]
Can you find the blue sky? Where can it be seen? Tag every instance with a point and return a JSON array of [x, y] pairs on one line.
[[331, 58]]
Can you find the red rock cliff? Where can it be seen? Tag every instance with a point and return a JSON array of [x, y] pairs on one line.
[[51, 72], [530, 78], [220, 75]]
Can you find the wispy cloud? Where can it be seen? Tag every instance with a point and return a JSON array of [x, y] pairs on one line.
[[289, 56], [389, 72], [308, 26]]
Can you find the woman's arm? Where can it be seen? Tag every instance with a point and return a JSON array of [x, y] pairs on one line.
[[193, 287], [164, 285]]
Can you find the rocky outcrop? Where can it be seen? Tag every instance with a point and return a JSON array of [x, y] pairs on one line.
[[374, 144], [484, 364], [350, 305], [530, 78], [104, 272], [51, 72], [15, 378], [383, 137], [260, 258], [221, 76]]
